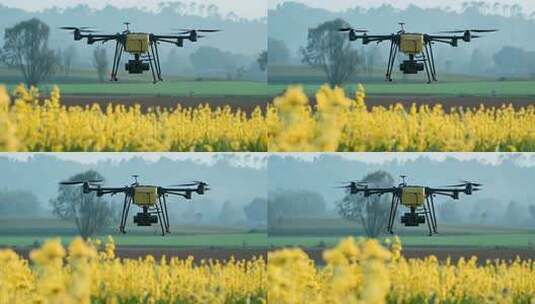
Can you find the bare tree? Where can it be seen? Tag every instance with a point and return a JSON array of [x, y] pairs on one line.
[[328, 49], [532, 211], [90, 213], [69, 55], [100, 62], [371, 212], [26, 47], [262, 60]]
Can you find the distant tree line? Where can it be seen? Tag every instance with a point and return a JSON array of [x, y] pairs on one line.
[[294, 203], [19, 203]]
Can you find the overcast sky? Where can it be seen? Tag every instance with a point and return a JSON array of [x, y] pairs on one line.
[[257, 8], [336, 5], [253, 160], [249, 9], [258, 160], [521, 159]]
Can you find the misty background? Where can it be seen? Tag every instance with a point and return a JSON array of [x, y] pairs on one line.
[[507, 198], [231, 54], [509, 53], [27, 186]]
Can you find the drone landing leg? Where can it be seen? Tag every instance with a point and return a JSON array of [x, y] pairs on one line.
[[156, 55], [433, 214], [152, 64], [115, 69], [394, 56], [391, 60], [433, 66], [159, 213], [426, 65], [129, 202], [113, 73], [388, 78], [396, 200], [121, 226], [390, 220], [428, 219], [166, 214]]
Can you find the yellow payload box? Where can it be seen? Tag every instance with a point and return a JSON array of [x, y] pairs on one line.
[[137, 43], [413, 196], [411, 43], [145, 196]]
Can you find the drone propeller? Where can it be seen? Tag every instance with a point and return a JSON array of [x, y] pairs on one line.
[[464, 183], [81, 29], [80, 182], [349, 29], [472, 30], [194, 183], [187, 31], [472, 183], [454, 186]]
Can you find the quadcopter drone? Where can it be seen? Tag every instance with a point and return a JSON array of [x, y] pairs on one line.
[[151, 199], [418, 199], [143, 46], [418, 46]]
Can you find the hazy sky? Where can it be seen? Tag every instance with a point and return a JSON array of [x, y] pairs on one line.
[[521, 159], [259, 160], [253, 160], [336, 5], [244, 8]]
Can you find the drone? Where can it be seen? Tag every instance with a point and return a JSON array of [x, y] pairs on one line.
[[143, 46], [418, 46], [418, 199], [151, 199]]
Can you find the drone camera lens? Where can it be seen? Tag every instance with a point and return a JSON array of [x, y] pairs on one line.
[[143, 219], [136, 66], [412, 219], [411, 67]]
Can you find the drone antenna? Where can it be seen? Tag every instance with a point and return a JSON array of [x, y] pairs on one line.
[[127, 24], [402, 24], [403, 179], [135, 176]]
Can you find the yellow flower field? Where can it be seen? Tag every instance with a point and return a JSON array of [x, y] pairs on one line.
[[364, 271], [356, 271], [83, 275], [341, 123], [289, 124], [30, 125]]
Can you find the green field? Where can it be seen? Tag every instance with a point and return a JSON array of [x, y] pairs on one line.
[[173, 88], [31, 231], [449, 84], [471, 88], [510, 240], [230, 240], [85, 83], [314, 232]]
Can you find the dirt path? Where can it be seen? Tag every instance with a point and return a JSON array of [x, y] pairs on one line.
[[134, 252], [455, 253], [248, 103]]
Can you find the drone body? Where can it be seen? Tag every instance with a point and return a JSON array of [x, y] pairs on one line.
[[417, 46], [143, 47], [419, 200], [149, 198]]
